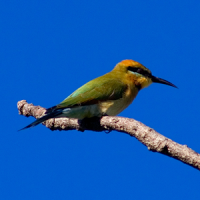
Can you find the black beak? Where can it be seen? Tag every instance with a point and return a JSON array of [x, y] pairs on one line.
[[162, 81]]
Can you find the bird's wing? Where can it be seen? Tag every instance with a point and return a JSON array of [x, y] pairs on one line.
[[95, 91]]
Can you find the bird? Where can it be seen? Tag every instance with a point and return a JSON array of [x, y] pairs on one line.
[[107, 95]]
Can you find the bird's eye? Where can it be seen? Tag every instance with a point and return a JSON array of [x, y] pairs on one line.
[[133, 69], [139, 71], [143, 72]]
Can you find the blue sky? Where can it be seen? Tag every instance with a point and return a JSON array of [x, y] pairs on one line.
[[49, 49]]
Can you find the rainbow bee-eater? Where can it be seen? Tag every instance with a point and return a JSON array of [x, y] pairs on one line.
[[107, 95]]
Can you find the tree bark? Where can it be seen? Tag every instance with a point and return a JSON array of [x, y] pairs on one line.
[[149, 137]]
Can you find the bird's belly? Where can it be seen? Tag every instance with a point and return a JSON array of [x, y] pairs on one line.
[[114, 107], [110, 107], [81, 112]]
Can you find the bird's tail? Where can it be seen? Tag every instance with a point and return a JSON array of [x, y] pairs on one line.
[[53, 114]]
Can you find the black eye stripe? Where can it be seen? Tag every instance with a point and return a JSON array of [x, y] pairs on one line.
[[139, 71]]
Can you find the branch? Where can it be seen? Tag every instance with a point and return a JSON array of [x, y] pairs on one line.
[[149, 137]]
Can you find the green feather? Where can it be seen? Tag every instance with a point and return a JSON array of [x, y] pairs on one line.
[[107, 87]]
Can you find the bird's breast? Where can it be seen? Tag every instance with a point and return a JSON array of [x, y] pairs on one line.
[[114, 107]]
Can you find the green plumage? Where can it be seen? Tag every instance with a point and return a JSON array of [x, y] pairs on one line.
[[100, 89]]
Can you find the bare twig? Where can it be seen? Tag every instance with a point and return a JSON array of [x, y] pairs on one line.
[[153, 140]]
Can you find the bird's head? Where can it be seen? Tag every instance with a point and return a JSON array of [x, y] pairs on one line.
[[139, 74]]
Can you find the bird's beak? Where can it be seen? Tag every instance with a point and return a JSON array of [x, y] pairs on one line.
[[162, 81]]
